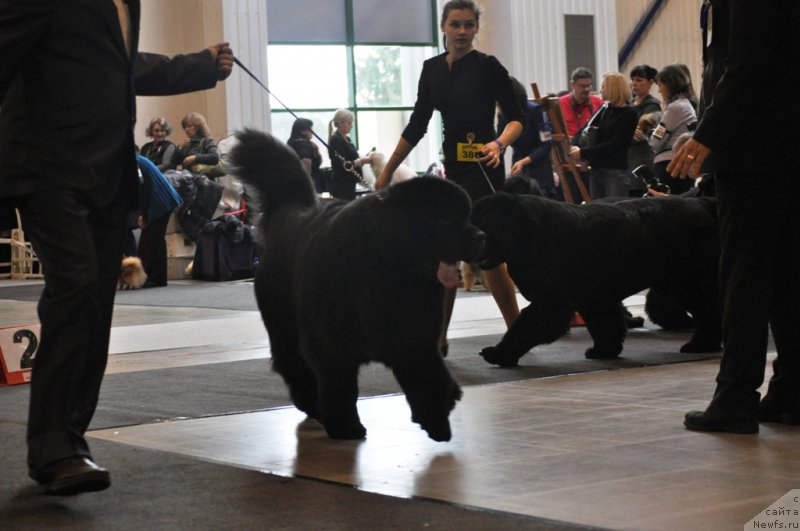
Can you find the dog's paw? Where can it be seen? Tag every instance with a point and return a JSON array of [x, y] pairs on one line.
[[346, 432], [596, 353], [439, 431], [495, 356], [699, 347]]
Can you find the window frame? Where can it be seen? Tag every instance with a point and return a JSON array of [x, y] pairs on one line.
[[352, 104]]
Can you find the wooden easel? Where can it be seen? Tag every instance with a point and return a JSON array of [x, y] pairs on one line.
[[559, 153]]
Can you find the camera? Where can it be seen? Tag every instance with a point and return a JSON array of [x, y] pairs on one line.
[[650, 180]]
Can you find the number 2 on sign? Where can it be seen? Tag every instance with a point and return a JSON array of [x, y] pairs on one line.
[[27, 359]]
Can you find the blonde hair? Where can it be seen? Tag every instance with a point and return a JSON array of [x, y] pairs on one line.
[[617, 91], [342, 115]]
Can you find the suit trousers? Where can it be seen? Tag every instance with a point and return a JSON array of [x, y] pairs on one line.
[[153, 250], [760, 286], [80, 248]]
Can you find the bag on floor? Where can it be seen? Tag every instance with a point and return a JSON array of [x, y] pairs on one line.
[[224, 253]]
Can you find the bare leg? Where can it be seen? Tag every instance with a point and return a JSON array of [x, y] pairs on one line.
[[504, 292]]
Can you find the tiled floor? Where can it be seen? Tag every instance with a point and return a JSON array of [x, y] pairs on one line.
[[604, 449]]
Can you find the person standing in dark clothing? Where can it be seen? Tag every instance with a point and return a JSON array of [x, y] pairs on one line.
[[646, 105], [307, 151], [465, 86], [158, 199], [531, 151], [615, 122], [69, 75], [343, 179], [760, 235]]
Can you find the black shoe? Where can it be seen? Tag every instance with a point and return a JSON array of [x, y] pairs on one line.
[[770, 411], [72, 476], [634, 322], [716, 420], [700, 348]]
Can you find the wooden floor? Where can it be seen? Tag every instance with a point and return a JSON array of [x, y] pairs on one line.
[[604, 449]]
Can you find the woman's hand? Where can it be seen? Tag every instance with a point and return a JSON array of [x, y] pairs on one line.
[[492, 154], [383, 180], [519, 165], [575, 152], [189, 161], [638, 135]]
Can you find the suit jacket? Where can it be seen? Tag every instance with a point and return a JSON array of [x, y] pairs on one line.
[[746, 129], [67, 95]]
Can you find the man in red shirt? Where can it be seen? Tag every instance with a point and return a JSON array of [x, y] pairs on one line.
[[579, 105]]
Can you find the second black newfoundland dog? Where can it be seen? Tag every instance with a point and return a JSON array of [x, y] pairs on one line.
[[340, 285], [588, 258]]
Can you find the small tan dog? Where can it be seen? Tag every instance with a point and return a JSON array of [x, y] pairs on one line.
[[131, 275], [472, 275]]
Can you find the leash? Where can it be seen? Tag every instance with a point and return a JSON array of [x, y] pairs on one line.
[[346, 164], [470, 140]]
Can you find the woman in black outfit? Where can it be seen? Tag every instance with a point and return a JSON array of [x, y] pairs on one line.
[[646, 105], [616, 122], [307, 151], [465, 86], [343, 181], [160, 151], [198, 147]]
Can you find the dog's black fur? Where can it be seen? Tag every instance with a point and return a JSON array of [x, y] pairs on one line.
[[340, 285], [588, 258]]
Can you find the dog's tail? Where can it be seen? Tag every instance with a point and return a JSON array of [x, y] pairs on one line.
[[273, 170]]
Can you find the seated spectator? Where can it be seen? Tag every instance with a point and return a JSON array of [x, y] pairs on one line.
[[197, 148], [160, 151]]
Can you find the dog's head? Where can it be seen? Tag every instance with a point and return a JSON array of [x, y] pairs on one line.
[[507, 222], [425, 223], [131, 274], [377, 161]]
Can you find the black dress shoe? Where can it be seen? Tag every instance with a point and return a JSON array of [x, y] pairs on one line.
[[720, 421], [72, 476], [771, 411]]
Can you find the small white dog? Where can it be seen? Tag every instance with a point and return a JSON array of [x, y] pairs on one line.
[[131, 275], [376, 165]]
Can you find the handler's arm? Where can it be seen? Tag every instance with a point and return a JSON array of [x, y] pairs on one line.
[[400, 153]]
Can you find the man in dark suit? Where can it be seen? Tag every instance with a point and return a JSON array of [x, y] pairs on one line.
[[757, 191], [69, 74]]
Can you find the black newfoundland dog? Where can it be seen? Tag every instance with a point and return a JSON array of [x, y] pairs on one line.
[[340, 285], [588, 258]]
